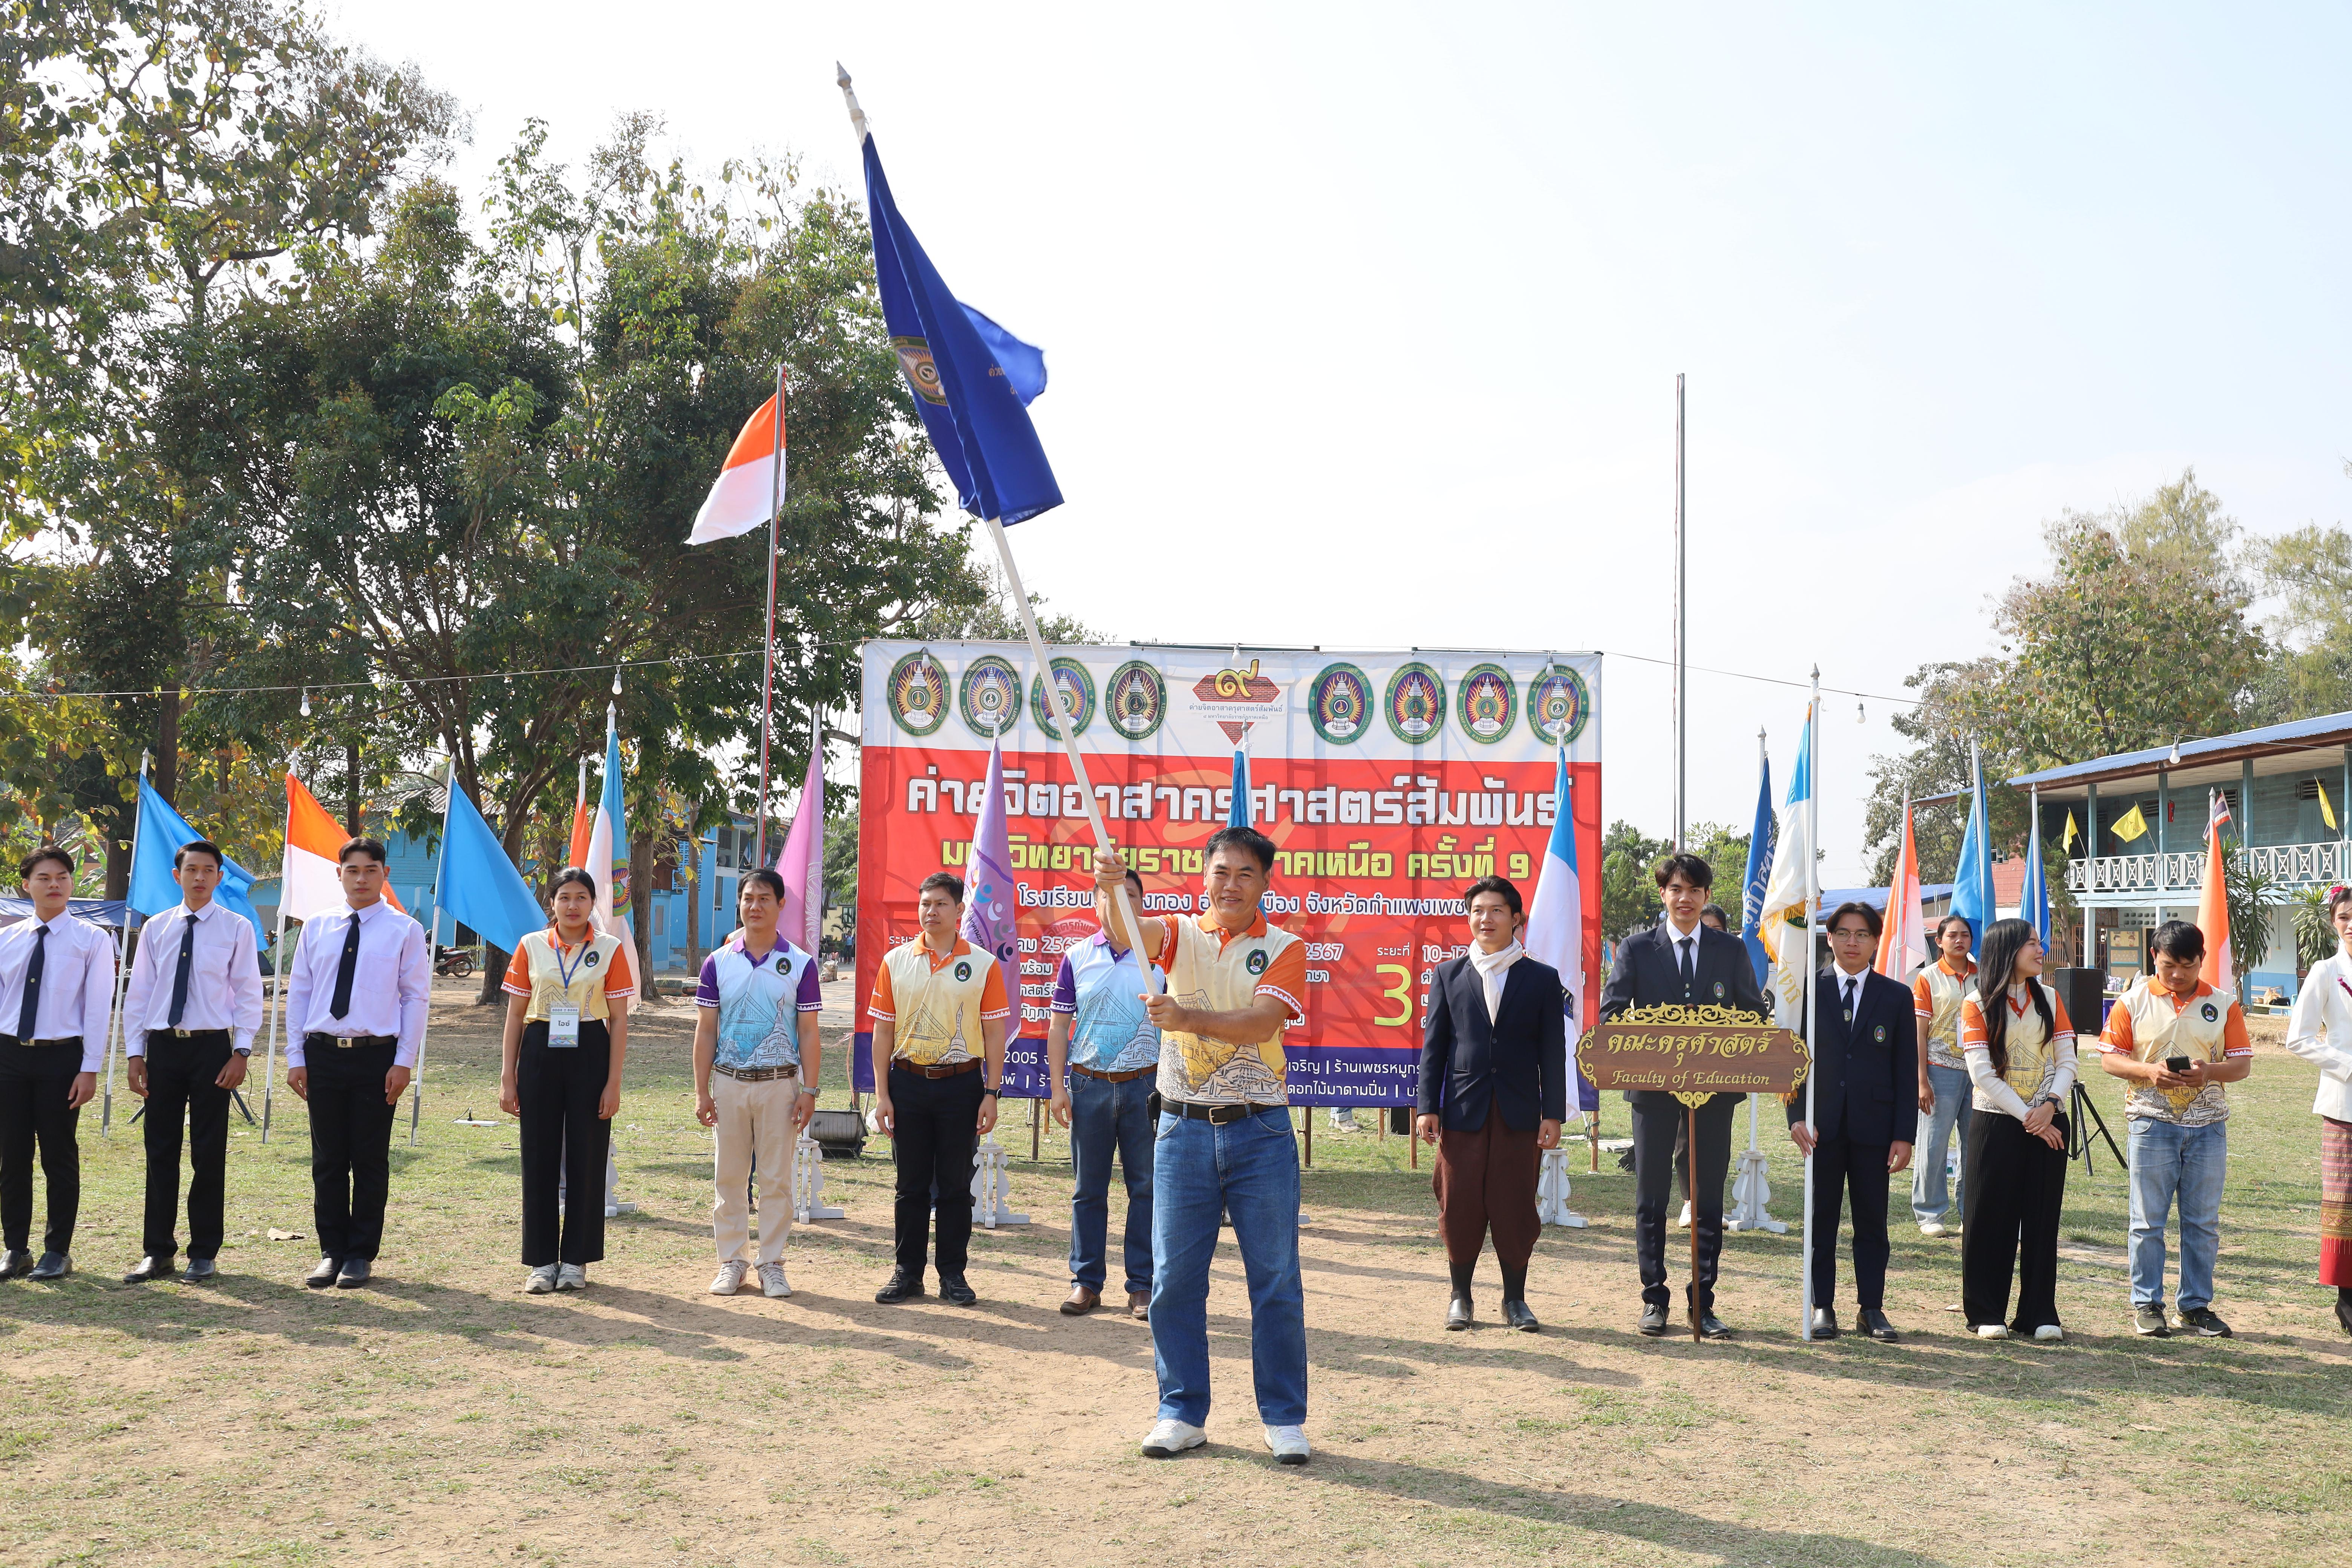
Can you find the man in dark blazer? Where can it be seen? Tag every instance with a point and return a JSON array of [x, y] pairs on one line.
[[1866, 1114], [1494, 1090], [1685, 961]]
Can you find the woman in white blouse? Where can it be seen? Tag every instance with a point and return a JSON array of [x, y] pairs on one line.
[[2321, 1032]]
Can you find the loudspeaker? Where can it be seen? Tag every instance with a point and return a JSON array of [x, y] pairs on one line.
[[2084, 992], [839, 1134], [1401, 1119]]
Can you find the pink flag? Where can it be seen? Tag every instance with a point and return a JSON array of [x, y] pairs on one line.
[[802, 864], [989, 891]]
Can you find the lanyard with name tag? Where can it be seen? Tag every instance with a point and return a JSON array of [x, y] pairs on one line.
[[563, 1017]]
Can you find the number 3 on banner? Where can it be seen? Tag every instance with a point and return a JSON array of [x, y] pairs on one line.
[[1400, 994]]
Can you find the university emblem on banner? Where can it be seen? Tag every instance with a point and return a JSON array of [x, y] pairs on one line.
[[917, 691], [990, 695], [914, 359], [1236, 699], [1077, 697], [1488, 702], [1558, 705], [1340, 703], [1136, 700], [1416, 704]]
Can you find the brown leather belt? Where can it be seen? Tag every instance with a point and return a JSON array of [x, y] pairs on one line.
[[1117, 1076], [754, 1075], [74, 1040], [901, 1063]]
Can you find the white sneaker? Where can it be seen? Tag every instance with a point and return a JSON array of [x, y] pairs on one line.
[[1993, 1330], [730, 1278], [1172, 1437], [540, 1281], [2049, 1335], [772, 1282], [1288, 1443], [572, 1277], [1934, 1227], [1682, 1220]]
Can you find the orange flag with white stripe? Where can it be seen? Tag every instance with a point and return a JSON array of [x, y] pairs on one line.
[[746, 491], [309, 883], [2213, 902]]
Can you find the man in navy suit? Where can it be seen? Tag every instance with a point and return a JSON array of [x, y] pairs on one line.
[[1685, 961], [1494, 1090], [1866, 1114]]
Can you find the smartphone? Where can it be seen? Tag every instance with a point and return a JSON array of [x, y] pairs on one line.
[[2177, 1064]]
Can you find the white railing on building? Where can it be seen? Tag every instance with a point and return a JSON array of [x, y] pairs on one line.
[[2183, 872]]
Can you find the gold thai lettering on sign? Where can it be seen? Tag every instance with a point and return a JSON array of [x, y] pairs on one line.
[[1692, 1053]]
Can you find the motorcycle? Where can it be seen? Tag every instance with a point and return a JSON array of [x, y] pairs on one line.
[[457, 962]]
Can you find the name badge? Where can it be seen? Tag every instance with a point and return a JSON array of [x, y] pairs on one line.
[[562, 1026]]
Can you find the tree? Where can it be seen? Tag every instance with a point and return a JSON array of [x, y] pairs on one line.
[[2309, 571], [1629, 897]]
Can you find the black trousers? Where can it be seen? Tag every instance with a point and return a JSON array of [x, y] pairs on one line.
[[1657, 1117], [350, 1147], [180, 1074], [34, 1083], [1843, 1167], [2014, 1186], [937, 1131], [558, 1091]]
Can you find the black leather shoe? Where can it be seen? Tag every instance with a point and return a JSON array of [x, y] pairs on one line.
[[953, 1288], [1653, 1319], [1711, 1327], [1516, 1315], [1824, 1324], [149, 1269], [200, 1271], [1457, 1314], [2343, 1314], [353, 1274], [52, 1266], [323, 1276], [1875, 1324], [903, 1287], [18, 1260]]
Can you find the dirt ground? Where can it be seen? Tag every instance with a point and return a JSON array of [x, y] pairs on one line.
[[440, 1416]]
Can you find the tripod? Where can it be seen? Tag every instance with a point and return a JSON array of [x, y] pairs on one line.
[[2084, 1115]]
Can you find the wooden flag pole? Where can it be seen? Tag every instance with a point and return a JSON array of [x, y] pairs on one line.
[[767, 643], [1690, 1144], [1812, 920]]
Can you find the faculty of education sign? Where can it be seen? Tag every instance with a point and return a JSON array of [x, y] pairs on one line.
[[1692, 1053]]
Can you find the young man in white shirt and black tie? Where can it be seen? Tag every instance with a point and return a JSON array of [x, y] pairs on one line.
[[57, 994], [355, 1001], [189, 1014]]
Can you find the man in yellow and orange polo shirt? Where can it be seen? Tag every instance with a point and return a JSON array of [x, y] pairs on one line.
[[940, 1010], [1223, 1147]]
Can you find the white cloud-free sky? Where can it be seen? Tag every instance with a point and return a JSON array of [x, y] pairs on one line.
[[1363, 321]]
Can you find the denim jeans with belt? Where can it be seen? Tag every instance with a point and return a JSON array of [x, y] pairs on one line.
[[1930, 1201], [1108, 1118], [1248, 1169], [2169, 1163]]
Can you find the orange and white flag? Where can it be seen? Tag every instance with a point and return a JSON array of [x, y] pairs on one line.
[[1902, 944], [308, 881], [2213, 902], [746, 491]]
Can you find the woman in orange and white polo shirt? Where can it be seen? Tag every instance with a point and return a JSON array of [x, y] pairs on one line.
[[2019, 1047], [560, 1071]]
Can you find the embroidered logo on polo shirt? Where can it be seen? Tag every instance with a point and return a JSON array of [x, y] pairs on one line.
[[591, 959], [2212, 1011], [963, 969], [1257, 962]]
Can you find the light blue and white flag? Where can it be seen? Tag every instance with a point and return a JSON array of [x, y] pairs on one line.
[[1789, 894], [1555, 934]]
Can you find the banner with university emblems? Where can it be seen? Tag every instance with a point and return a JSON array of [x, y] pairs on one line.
[[1388, 782]]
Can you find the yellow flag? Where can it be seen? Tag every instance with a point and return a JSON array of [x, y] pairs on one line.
[[2131, 825], [2326, 808], [2072, 832]]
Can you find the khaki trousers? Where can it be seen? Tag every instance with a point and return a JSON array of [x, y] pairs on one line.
[[755, 1123]]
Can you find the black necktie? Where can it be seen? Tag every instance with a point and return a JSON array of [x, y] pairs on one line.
[[29, 1014], [1689, 977], [1851, 981], [345, 967], [180, 975]]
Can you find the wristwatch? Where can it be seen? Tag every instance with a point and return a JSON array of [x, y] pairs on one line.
[[985, 1090]]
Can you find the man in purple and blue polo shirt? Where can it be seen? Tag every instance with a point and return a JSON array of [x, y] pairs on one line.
[[1100, 1032]]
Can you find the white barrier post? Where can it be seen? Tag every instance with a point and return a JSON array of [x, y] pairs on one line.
[[991, 1186], [1551, 1193], [1751, 1193], [808, 1182]]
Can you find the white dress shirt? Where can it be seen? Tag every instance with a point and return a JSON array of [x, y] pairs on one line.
[[223, 977], [2321, 1032], [391, 983], [77, 984]]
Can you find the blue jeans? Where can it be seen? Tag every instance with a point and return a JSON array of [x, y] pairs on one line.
[[1248, 1169], [1929, 1201], [1107, 1117], [2170, 1161]]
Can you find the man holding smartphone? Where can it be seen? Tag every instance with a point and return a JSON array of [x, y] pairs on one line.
[[2175, 1041]]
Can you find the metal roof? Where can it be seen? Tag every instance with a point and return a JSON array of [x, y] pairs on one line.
[[2301, 735]]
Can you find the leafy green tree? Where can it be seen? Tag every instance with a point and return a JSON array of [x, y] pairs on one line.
[[1628, 898]]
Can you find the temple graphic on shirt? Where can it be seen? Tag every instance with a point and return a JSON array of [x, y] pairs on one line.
[[1212, 1069], [1110, 1023], [936, 1031]]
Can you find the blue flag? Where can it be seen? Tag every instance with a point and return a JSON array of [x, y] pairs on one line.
[[1759, 875], [972, 380], [161, 831], [2033, 898], [479, 885], [1239, 814], [1972, 879]]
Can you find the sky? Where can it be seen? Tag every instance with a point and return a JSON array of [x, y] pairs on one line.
[[1369, 315]]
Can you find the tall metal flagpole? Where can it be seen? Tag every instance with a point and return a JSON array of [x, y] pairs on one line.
[[1813, 922], [440, 870], [1751, 1190], [767, 648], [121, 967], [277, 966], [1681, 627]]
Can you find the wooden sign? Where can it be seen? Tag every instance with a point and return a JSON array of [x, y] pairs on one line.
[[1692, 1053]]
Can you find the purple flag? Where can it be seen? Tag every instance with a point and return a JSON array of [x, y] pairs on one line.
[[991, 898]]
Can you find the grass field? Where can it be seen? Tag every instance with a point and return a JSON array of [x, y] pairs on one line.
[[442, 1416]]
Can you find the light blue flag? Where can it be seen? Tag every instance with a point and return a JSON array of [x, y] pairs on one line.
[[479, 885], [1759, 875], [2033, 898], [1239, 814], [161, 831], [1972, 878]]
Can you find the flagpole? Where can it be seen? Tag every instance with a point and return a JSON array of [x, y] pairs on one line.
[[1682, 627], [440, 869], [1812, 920], [768, 644], [277, 999], [114, 1022]]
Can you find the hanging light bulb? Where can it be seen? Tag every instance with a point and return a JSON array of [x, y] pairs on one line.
[[1859, 716], [305, 702], [617, 680]]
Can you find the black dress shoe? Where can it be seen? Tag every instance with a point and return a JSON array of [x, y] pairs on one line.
[[323, 1276], [149, 1269], [200, 1271], [353, 1274], [1653, 1319], [903, 1287], [52, 1266], [2343, 1314], [1516, 1315], [1457, 1314], [1824, 1324], [953, 1288], [18, 1260], [1711, 1327], [1875, 1324]]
